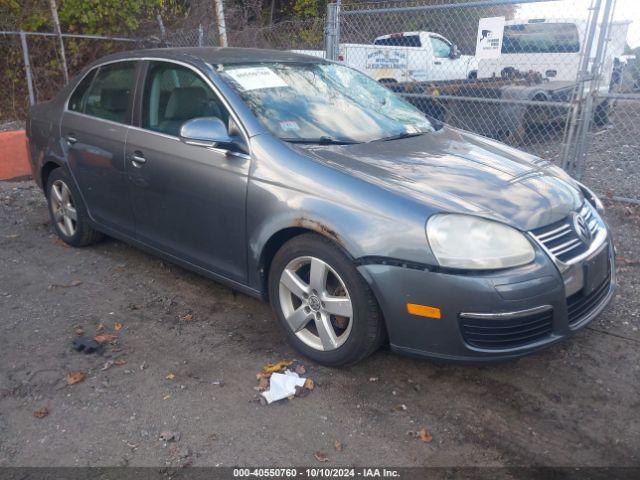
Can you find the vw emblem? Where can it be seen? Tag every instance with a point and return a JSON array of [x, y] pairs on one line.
[[581, 229], [314, 303]]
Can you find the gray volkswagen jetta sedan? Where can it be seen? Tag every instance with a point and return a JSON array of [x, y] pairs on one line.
[[306, 183]]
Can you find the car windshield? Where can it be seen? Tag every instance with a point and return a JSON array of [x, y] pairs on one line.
[[323, 103]]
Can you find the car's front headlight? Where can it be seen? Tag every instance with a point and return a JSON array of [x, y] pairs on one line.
[[465, 241]]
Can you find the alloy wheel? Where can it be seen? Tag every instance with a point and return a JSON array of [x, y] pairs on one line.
[[63, 208], [316, 303]]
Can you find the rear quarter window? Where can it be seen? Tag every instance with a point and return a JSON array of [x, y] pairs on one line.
[[76, 102]]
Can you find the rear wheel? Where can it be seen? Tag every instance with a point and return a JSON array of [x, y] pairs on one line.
[[68, 215], [324, 305]]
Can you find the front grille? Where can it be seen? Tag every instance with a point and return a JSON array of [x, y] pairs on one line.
[[561, 239], [580, 305], [497, 334]]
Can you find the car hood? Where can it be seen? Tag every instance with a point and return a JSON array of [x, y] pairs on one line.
[[455, 171]]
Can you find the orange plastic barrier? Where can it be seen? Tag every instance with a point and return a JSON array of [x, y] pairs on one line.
[[14, 160]]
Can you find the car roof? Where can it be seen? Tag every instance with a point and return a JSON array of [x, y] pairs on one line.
[[216, 55]]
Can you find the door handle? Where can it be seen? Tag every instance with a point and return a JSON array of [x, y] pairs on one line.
[[137, 159], [71, 138]]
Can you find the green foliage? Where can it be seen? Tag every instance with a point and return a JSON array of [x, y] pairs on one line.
[[106, 16], [306, 8]]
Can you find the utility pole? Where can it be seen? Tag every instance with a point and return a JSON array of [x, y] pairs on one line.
[[56, 27], [222, 28]]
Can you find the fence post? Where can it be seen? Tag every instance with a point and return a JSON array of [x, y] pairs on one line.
[[200, 35], [163, 32], [222, 28], [594, 84], [576, 115], [332, 31], [56, 25], [27, 67]]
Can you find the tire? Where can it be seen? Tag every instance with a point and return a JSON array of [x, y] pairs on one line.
[[357, 335], [67, 211]]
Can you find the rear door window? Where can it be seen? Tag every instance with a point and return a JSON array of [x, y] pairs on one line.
[[108, 97]]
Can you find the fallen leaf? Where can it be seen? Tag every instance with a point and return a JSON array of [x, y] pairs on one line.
[[105, 338], [425, 436], [79, 331], [41, 412], [321, 457], [308, 384], [302, 392], [276, 367], [75, 377], [166, 397], [263, 384], [107, 365], [338, 446], [399, 408], [100, 327], [169, 436], [117, 326], [171, 376], [187, 317], [120, 361]]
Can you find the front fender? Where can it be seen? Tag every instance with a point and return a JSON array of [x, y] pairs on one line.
[[292, 191]]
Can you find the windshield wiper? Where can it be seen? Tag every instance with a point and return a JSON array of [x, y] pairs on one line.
[[399, 136], [324, 140]]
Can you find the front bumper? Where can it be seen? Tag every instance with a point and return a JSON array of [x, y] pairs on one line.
[[490, 316]]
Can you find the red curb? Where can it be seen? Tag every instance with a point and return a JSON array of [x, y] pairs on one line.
[[14, 158]]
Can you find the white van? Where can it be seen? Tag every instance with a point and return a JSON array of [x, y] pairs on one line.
[[550, 47]]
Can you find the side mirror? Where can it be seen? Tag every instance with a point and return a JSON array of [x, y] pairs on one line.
[[454, 52], [205, 132]]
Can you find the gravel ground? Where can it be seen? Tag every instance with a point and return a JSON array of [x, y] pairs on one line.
[[8, 126], [612, 166], [574, 404]]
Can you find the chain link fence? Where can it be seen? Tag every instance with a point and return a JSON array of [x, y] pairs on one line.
[[31, 67], [549, 77], [543, 76]]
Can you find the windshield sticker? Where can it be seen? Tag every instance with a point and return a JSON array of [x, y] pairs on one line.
[[289, 126], [254, 78]]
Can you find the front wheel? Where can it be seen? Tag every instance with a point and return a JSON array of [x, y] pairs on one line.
[[325, 307]]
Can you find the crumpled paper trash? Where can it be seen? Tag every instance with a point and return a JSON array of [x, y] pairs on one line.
[[282, 385]]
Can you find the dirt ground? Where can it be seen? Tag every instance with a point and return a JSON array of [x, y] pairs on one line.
[[575, 404]]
